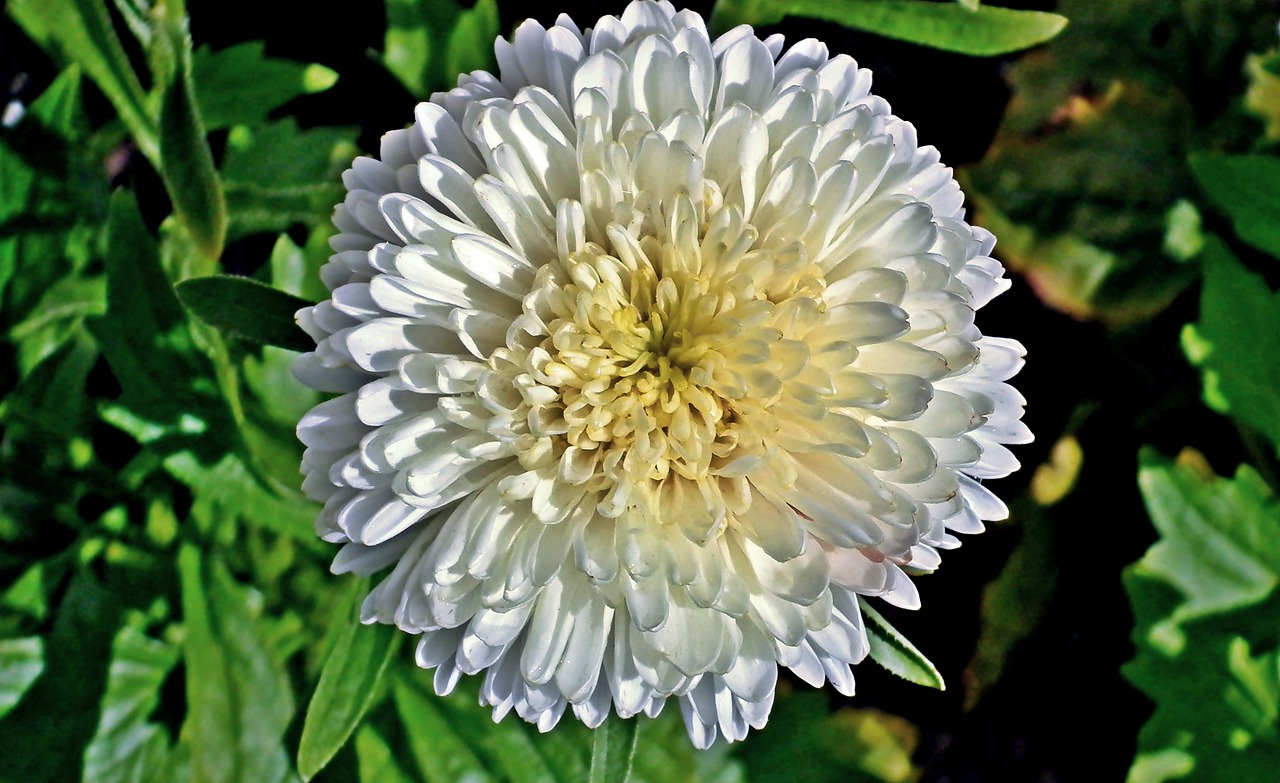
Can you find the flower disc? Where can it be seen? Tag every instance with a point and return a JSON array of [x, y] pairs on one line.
[[655, 353]]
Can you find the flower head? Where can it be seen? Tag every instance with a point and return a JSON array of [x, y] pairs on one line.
[[655, 352]]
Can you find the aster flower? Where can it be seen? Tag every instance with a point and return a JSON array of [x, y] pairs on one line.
[[656, 355]]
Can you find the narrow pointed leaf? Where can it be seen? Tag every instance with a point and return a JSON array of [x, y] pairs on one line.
[[246, 309], [442, 756], [239, 699], [349, 682], [377, 761], [186, 161], [985, 31], [894, 652]]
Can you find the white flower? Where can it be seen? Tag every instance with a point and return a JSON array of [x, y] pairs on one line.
[[655, 354]]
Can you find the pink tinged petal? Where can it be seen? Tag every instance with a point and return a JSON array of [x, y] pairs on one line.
[[856, 570], [839, 500]]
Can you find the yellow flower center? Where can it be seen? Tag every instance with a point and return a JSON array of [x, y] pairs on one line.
[[663, 352]]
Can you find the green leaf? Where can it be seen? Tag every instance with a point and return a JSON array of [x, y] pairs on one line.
[[349, 682], [21, 662], [983, 31], [1014, 602], [57, 318], [613, 750], [429, 42], [442, 756], [894, 652], [82, 30], [170, 395], [239, 699], [377, 762], [127, 747], [245, 308], [277, 175], [235, 492], [1204, 606], [1217, 538], [1241, 373], [1247, 189], [32, 593], [240, 85], [52, 400], [455, 738], [52, 182], [41, 739], [806, 741], [1217, 698], [186, 162]]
